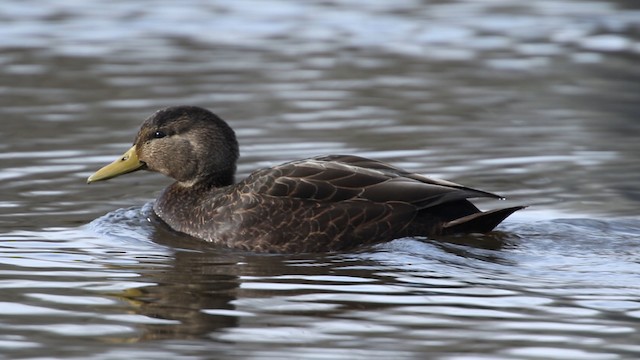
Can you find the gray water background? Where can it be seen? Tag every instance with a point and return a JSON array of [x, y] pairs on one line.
[[538, 101]]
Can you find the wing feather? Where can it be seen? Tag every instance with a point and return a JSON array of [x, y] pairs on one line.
[[337, 178]]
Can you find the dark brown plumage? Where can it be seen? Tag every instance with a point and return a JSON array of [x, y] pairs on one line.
[[326, 203]]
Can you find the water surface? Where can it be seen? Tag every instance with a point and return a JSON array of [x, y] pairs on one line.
[[535, 101]]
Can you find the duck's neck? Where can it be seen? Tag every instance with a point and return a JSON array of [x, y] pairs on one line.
[[201, 186], [208, 182], [178, 203]]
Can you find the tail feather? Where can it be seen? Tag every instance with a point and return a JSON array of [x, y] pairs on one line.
[[481, 222]]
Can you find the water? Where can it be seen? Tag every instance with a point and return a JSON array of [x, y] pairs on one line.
[[536, 101]]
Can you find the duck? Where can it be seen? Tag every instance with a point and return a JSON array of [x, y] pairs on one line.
[[327, 203]]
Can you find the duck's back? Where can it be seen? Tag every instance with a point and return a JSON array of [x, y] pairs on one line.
[[325, 204]]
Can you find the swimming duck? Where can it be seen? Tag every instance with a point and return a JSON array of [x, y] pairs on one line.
[[320, 204]]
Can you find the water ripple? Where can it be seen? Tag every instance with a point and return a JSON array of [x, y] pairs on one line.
[[535, 100]]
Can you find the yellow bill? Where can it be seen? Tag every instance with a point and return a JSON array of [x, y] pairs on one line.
[[127, 163]]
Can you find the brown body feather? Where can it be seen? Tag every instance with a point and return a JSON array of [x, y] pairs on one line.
[[326, 203]]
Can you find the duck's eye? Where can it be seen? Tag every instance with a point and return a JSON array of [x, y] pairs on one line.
[[159, 134]]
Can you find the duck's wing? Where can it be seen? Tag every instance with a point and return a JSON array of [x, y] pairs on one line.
[[337, 178]]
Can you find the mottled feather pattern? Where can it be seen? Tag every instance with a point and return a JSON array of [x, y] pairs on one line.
[[326, 203], [342, 177], [314, 205]]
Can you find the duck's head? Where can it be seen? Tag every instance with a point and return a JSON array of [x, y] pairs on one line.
[[187, 143]]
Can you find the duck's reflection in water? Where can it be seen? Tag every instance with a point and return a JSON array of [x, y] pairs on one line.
[[197, 294]]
